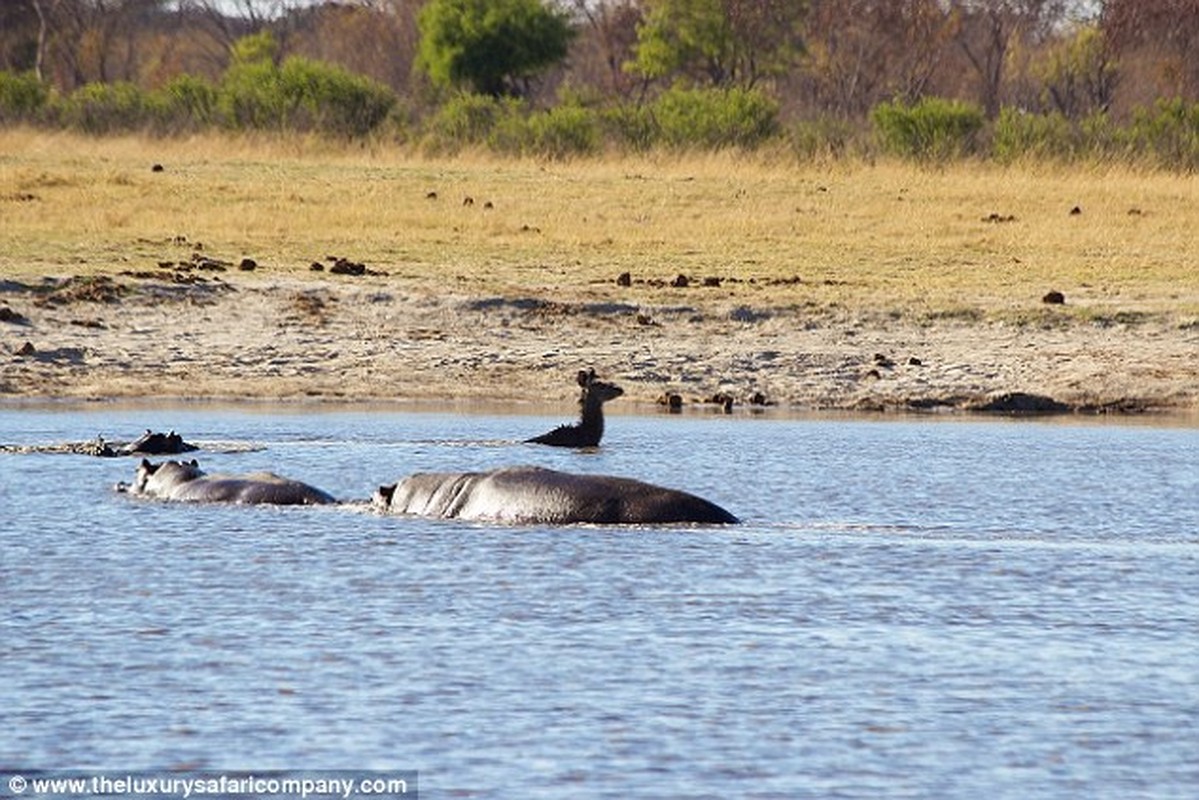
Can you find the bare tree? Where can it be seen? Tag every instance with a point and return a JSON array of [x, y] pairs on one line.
[[91, 40], [607, 40], [863, 51], [987, 29], [18, 35], [1157, 44], [377, 38]]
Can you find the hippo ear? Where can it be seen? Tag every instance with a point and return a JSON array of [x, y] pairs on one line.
[[195, 463], [387, 492]]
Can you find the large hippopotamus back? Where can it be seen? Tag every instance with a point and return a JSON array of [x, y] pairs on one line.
[[536, 495], [184, 481]]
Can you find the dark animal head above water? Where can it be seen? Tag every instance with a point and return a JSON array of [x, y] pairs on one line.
[[150, 477], [158, 444], [588, 431]]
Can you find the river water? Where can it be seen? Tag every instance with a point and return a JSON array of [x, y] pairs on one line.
[[912, 608]]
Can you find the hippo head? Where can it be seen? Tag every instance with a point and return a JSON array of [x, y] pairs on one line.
[[383, 495], [154, 477]]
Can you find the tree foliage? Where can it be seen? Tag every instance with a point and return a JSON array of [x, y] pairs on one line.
[[1158, 39], [719, 42], [490, 46], [1078, 74], [1058, 79], [929, 130]]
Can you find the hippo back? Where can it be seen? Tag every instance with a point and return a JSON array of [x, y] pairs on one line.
[[536, 495], [258, 488], [186, 482]]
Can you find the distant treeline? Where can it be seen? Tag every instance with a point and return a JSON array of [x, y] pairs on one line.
[[306, 96], [926, 79]]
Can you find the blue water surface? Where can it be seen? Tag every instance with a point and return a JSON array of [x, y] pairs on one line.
[[912, 608]]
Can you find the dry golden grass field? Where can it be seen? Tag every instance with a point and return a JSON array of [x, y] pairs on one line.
[[850, 249]]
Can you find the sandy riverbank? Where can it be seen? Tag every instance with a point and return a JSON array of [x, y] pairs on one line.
[[342, 338]]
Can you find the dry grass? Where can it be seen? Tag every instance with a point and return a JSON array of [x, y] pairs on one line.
[[890, 238]]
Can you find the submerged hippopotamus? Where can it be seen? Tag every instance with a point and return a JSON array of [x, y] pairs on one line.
[[151, 443], [536, 495], [185, 481]]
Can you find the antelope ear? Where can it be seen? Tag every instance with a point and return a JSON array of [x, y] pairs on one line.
[[586, 377]]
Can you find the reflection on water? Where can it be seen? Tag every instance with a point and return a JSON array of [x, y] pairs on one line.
[[913, 608]]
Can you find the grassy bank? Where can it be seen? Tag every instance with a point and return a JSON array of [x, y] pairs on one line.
[[967, 241]]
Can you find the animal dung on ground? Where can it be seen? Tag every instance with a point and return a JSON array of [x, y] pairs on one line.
[[345, 266], [15, 317], [1054, 297]]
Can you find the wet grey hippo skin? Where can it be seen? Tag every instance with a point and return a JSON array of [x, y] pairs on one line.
[[536, 495], [185, 481], [157, 444], [588, 431]]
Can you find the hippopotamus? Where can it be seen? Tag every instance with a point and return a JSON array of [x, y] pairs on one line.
[[157, 444], [536, 495], [185, 481], [588, 431]]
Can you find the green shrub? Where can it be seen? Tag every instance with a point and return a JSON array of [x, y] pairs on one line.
[[22, 96], [505, 126], [715, 118], [250, 97], [468, 120], [1167, 134], [109, 108], [1019, 135], [327, 98], [564, 131], [301, 94], [932, 129], [189, 103], [822, 137], [630, 126]]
